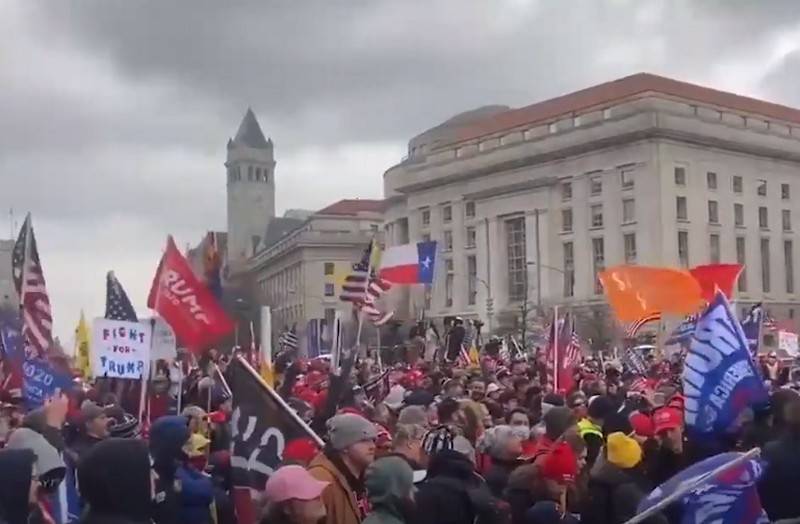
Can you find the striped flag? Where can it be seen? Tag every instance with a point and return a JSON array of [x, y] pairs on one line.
[[37, 317], [466, 344], [633, 328], [363, 289], [684, 332], [288, 340], [118, 305]]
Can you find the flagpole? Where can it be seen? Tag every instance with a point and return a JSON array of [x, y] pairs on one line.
[[555, 348], [378, 355], [686, 488], [277, 398]]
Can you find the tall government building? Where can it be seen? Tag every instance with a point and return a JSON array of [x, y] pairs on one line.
[[534, 202]]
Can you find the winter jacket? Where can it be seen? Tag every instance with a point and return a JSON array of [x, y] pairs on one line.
[[778, 486], [498, 474], [196, 495], [453, 493], [16, 469], [339, 497], [167, 437], [389, 482], [114, 477], [614, 494]]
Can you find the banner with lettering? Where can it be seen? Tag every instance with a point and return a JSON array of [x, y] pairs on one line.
[[261, 425], [720, 379], [186, 303], [121, 349]]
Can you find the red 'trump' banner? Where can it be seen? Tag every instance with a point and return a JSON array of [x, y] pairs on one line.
[[186, 303]]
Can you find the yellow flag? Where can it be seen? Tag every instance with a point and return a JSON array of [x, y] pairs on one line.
[[375, 257], [267, 374], [82, 355], [474, 355]]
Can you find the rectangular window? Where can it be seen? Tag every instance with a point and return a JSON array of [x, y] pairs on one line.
[[738, 214], [763, 221], [628, 210], [569, 269], [683, 248], [785, 192], [515, 242], [765, 283], [629, 241], [448, 241], [329, 290], [447, 213], [472, 282], [471, 238], [426, 217], [680, 208], [599, 260], [713, 212], [680, 176], [711, 180], [761, 189], [713, 248], [566, 220], [448, 290], [566, 191], [626, 177], [741, 256], [788, 262], [469, 209], [786, 219], [597, 215], [737, 184], [595, 185], [329, 268]]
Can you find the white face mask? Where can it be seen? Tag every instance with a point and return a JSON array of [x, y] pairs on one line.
[[521, 432]]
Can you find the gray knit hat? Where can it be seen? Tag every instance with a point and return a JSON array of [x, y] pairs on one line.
[[49, 466], [348, 428]]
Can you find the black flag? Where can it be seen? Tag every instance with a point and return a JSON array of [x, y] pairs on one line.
[[262, 424]]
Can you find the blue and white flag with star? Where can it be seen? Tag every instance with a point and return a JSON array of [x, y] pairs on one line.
[[716, 494], [720, 378]]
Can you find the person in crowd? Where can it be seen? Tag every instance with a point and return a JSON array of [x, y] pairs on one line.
[[616, 484], [348, 453], [390, 490], [590, 428], [219, 469], [773, 370], [670, 459], [294, 496], [94, 428], [18, 487], [453, 493], [198, 420], [782, 474], [547, 512], [519, 420], [407, 443], [557, 421], [504, 447], [168, 436], [115, 481], [559, 469]]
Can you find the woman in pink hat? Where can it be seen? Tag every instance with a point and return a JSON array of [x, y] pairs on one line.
[[293, 496]]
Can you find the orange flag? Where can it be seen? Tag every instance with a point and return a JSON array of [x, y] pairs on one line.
[[636, 291], [716, 276]]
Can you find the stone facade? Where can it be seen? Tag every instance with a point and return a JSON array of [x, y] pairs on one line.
[[531, 203]]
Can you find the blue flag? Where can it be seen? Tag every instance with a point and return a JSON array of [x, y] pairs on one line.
[[728, 497], [684, 332], [720, 378]]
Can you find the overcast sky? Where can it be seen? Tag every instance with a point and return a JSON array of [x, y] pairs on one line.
[[114, 114]]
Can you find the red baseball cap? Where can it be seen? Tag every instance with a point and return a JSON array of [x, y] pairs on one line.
[[665, 419], [642, 424], [560, 464]]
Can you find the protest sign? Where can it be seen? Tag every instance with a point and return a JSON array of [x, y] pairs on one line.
[[42, 381], [787, 341], [164, 341], [121, 349]]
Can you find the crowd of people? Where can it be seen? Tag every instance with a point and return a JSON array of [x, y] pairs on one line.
[[411, 441]]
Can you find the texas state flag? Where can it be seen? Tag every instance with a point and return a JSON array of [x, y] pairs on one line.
[[409, 263]]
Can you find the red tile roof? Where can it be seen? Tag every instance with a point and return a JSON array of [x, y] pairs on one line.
[[353, 206], [609, 93]]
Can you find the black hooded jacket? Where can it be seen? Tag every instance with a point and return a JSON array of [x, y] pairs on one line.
[[453, 493], [114, 478], [16, 468], [167, 437]]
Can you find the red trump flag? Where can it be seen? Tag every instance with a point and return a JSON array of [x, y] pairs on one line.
[[713, 277], [186, 303]]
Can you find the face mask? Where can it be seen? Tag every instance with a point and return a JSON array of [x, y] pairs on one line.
[[521, 432]]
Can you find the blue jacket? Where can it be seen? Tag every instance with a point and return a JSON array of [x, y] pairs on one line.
[[196, 495]]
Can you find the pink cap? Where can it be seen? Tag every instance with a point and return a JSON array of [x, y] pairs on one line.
[[293, 482]]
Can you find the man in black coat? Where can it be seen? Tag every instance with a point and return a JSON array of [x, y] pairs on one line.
[[778, 487]]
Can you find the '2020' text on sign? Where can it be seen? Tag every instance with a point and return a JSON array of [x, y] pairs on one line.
[[120, 349]]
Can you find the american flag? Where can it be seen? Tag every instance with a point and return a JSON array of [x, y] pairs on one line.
[[572, 349], [288, 340], [37, 317], [363, 289], [466, 344], [633, 328], [118, 305]]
